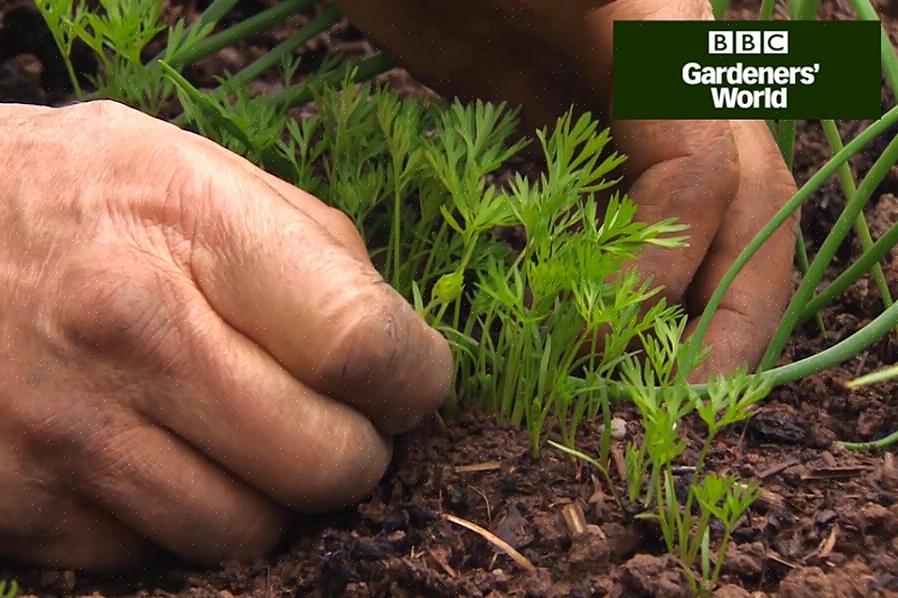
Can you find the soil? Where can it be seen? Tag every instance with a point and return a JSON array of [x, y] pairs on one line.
[[826, 525]]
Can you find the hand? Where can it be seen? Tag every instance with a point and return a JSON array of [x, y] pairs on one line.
[[187, 346], [723, 179]]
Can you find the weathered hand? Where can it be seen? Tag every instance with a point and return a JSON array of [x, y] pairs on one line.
[[187, 345], [724, 179]]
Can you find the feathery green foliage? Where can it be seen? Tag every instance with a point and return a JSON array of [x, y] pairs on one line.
[[524, 272]]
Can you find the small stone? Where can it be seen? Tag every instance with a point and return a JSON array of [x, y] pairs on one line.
[[731, 591], [618, 428]]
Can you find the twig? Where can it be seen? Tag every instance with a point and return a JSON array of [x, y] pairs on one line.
[[493, 539], [479, 467]]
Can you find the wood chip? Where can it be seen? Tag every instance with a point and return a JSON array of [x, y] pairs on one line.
[[493, 539], [770, 500], [779, 467], [826, 547], [828, 473], [574, 518], [777, 558], [478, 467]]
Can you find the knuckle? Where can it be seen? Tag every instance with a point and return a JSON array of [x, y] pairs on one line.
[[344, 230], [376, 339], [104, 110], [719, 155], [343, 225], [113, 455], [121, 315]]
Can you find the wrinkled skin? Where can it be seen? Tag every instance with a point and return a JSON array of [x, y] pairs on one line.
[[191, 348]]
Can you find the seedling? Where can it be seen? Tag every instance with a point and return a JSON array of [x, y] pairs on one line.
[[542, 334], [9, 589]]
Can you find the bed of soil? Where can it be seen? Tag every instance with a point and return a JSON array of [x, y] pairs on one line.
[[826, 525]]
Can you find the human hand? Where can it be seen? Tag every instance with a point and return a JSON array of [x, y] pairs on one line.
[[723, 179], [189, 346]]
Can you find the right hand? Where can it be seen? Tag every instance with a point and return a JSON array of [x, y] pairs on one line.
[[188, 346]]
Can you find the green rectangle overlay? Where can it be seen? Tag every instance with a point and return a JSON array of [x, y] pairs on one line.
[[746, 70]]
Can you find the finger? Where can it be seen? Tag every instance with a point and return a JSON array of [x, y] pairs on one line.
[[686, 170], [751, 309], [75, 536], [159, 486], [335, 222], [58, 530], [226, 397], [275, 275]]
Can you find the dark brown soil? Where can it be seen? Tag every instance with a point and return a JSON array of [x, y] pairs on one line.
[[827, 523]]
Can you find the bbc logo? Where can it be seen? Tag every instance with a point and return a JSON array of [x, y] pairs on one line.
[[748, 42]]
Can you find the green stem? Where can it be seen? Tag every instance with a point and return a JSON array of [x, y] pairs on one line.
[[767, 7], [694, 344], [838, 353], [720, 8], [882, 443], [79, 93], [238, 32], [210, 17], [841, 352], [849, 188], [808, 10], [397, 227], [863, 265], [214, 13], [299, 94], [866, 12], [274, 56], [786, 141], [801, 252], [721, 557], [821, 261]]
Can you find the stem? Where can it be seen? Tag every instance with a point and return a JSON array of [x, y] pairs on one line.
[[720, 8], [79, 93], [785, 139], [767, 7], [368, 68], [801, 252], [397, 225], [849, 188], [210, 17], [866, 12], [721, 557], [882, 443], [694, 344], [843, 351], [273, 56], [863, 265], [214, 12], [238, 32], [849, 215], [808, 10]]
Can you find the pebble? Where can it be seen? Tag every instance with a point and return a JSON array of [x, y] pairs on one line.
[[618, 428]]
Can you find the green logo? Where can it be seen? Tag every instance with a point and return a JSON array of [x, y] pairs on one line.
[[746, 70]]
